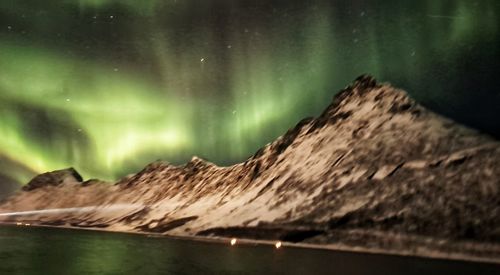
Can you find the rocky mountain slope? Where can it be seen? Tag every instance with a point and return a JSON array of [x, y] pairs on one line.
[[375, 171]]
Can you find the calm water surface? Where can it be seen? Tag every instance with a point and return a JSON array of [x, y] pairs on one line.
[[61, 251]]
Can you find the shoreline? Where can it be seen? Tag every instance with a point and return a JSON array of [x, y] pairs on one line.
[[419, 253]]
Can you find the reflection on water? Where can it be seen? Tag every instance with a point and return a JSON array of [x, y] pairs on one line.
[[61, 251]]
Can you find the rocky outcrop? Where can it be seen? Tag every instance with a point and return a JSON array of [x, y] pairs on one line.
[[375, 170], [53, 178]]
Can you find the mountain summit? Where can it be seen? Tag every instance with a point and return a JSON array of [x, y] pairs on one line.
[[375, 172]]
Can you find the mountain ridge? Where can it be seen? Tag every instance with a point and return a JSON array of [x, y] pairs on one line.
[[374, 170]]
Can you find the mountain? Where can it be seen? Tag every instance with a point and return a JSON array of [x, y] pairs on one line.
[[374, 172]]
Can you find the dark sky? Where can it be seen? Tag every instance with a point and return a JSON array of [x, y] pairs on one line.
[[108, 86]]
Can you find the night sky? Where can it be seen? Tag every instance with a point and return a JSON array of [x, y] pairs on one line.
[[107, 86]]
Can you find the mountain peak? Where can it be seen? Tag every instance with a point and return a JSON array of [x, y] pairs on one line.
[[54, 178], [197, 162], [365, 89], [364, 82], [366, 99]]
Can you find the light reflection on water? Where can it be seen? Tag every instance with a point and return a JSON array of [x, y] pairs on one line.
[[29, 250]]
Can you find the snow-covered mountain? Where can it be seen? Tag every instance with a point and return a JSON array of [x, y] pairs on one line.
[[375, 171]]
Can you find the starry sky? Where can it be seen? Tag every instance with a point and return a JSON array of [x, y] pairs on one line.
[[107, 86]]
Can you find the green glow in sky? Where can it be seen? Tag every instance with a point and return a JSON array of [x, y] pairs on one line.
[[113, 109], [108, 86], [144, 7]]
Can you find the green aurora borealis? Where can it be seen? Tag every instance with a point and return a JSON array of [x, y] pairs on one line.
[[107, 86]]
